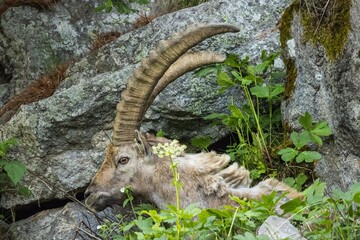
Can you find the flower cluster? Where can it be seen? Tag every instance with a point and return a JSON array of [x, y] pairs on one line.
[[172, 150]]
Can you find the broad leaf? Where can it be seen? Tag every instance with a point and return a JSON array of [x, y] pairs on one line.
[[224, 81], [288, 154], [300, 139], [205, 71], [301, 179], [306, 121], [292, 205], [15, 170], [260, 91], [235, 111], [315, 138], [277, 90], [322, 129], [201, 142], [233, 61], [308, 156], [24, 191], [315, 193]]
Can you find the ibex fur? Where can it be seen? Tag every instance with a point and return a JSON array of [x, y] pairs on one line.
[[206, 177]]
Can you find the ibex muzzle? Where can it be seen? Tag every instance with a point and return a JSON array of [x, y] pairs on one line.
[[129, 161]]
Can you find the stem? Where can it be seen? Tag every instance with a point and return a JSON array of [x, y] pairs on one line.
[[176, 183], [130, 197], [270, 121], [248, 97]]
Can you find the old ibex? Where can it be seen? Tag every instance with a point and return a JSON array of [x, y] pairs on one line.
[[206, 177]]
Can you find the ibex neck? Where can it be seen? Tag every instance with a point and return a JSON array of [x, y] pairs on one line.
[[154, 184]]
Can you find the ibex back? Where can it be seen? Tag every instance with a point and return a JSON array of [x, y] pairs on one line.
[[206, 177]]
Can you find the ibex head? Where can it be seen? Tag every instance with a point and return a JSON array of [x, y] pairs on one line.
[[124, 156]]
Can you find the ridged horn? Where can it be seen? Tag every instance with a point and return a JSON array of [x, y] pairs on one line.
[[144, 78], [186, 63]]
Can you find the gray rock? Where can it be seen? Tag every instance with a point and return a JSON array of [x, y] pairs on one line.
[[277, 228], [33, 41], [62, 138], [72, 221], [329, 90]]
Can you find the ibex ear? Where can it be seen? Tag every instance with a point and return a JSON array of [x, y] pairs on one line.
[[143, 146]]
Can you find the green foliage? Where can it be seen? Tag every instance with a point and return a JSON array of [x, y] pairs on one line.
[[160, 133], [11, 171], [297, 182], [201, 142], [120, 5], [163, 6], [325, 216], [322, 216], [311, 133], [230, 222], [253, 126]]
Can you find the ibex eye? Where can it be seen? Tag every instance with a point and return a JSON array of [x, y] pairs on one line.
[[123, 160]]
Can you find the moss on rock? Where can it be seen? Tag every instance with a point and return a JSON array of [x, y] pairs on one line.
[[325, 23]]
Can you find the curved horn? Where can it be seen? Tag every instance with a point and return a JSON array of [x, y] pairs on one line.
[[186, 63], [144, 79]]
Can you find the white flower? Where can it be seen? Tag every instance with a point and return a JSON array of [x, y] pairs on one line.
[[172, 150], [98, 227], [122, 189]]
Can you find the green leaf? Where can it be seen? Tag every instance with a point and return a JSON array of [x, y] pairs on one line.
[[15, 170], [24, 191], [321, 129], [235, 111], [306, 121], [356, 197], [3, 163], [233, 61], [277, 91], [308, 156], [202, 72], [160, 133], [292, 205], [315, 138], [301, 179], [224, 81], [5, 146], [288, 154], [99, 8], [260, 91], [315, 193], [201, 142], [251, 70], [289, 181], [298, 140], [278, 75]]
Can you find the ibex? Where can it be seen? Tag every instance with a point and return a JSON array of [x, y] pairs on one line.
[[129, 162]]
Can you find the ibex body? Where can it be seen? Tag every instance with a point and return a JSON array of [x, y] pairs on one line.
[[206, 177]]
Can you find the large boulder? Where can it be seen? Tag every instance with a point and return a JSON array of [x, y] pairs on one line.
[[62, 138], [325, 81], [73, 221], [34, 40]]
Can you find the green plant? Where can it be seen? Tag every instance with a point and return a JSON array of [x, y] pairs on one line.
[[327, 216], [201, 142], [11, 171], [120, 5], [296, 182], [252, 124], [311, 133]]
